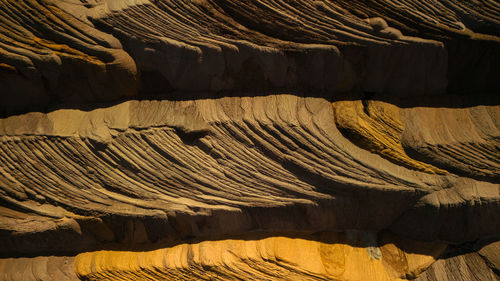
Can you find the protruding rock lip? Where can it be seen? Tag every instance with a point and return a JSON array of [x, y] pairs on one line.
[[316, 256], [320, 48], [328, 255], [106, 146]]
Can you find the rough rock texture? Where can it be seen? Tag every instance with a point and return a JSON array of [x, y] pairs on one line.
[[268, 140]]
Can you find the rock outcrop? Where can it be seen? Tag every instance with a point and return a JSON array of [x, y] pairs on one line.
[[253, 140]]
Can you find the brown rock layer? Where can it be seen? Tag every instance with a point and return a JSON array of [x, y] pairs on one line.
[[217, 139], [69, 52]]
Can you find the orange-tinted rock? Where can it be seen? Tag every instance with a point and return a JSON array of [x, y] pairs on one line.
[[221, 139]]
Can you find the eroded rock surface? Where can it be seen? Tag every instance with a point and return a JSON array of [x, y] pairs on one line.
[[221, 140]]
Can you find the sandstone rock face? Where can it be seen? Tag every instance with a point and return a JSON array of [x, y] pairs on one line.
[[249, 140]]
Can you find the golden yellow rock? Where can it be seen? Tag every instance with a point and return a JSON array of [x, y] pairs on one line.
[[7, 67], [376, 126], [324, 256], [65, 50]]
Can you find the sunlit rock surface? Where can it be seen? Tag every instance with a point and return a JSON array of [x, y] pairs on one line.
[[253, 140]]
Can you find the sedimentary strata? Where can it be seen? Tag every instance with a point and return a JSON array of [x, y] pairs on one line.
[[217, 139]]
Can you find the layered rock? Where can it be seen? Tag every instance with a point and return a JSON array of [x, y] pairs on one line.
[[296, 140]]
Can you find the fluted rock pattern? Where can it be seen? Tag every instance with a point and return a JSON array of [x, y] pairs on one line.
[[319, 257], [38, 268], [77, 51], [269, 140]]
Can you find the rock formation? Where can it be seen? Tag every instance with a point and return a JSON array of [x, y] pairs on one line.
[[249, 140]]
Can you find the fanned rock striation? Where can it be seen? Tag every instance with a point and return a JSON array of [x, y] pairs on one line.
[[252, 140]]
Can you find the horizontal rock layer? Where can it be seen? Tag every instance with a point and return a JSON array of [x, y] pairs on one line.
[[145, 172], [319, 257], [187, 163], [352, 255], [74, 52]]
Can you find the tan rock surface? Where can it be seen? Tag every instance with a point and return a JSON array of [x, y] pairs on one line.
[[255, 140]]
